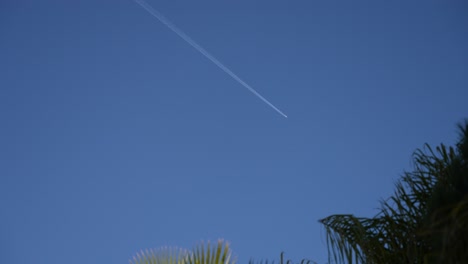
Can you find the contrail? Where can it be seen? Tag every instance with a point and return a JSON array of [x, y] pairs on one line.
[[190, 41]]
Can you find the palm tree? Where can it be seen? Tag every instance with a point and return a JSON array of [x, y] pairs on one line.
[[447, 212], [202, 254], [425, 221]]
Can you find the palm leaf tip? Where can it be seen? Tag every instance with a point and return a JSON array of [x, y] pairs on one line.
[[203, 253], [164, 255], [219, 253]]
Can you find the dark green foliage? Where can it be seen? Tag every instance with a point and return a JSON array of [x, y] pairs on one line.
[[425, 221], [282, 261]]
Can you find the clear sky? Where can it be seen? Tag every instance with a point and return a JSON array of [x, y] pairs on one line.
[[116, 135]]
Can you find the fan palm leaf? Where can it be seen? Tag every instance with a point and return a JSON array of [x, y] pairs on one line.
[[219, 253]]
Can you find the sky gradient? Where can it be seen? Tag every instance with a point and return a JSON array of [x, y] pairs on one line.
[[116, 135]]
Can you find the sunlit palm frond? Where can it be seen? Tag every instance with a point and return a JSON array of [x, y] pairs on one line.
[[219, 253], [165, 255]]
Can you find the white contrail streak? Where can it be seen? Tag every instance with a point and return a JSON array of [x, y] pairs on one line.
[[190, 41]]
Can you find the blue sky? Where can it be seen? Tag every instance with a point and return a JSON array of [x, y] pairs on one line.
[[116, 135]]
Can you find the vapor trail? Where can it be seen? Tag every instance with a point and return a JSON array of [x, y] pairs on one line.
[[190, 41]]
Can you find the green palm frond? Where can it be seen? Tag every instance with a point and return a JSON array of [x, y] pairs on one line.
[[165, 255], [219, 253], [216, 254]]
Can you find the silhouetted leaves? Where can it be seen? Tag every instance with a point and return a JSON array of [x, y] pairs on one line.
[[425, 221]]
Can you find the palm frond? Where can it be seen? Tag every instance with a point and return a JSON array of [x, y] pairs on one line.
[[165, 255], [219, 253], [424, 221]]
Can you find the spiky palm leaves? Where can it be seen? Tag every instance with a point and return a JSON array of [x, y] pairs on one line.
[[425, 221], [447, 214], [219, 253]]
